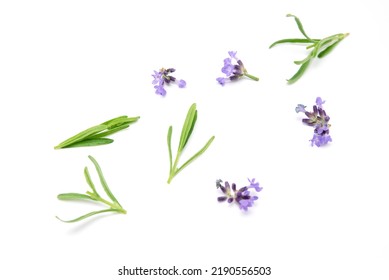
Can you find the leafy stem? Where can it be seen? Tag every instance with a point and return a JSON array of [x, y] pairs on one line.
[[186, 132], [95, 135], [114, 205], [320, 47]]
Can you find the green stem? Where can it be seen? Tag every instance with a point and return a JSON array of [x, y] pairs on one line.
[[251, 77], [114, 206], [174, 168]]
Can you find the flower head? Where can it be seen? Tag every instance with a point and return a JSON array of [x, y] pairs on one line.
[[241, 196], [319, 120], [163, 77], [233, 69]]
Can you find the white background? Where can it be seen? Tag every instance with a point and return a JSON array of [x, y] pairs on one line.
[[68, 65]]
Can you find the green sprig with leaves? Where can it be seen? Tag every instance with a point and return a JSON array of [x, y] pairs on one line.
[[96, 135], [320, 47], [186, 132], [93, 195]]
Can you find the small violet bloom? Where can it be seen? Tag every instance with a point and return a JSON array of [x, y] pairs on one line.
[[241, 196], [233, 69], [319, 120], [163, 77]]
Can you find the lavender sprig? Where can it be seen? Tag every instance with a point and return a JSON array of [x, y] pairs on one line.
[[319, 120], [320, 47], [241, 196], [163, 77], [234, 71], [114, 205], [186, 132], [96, 135]]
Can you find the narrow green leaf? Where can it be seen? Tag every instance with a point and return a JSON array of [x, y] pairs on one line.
[[190, 117], [109, 122], [103, 182], [300, 25], [109, 132], [89, 181], [199, 153], [299, 62], [90, 142], [191, 128], [326, 51], [98, 131], [74, 196], [119, 122], [169, 145], [88, 215], [326, 41], [81, 136], [299, 73], [293, 40]]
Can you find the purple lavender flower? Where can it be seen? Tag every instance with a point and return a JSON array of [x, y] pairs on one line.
[[163, 77], [319, 120], [300, 108], [241, 196], [234, 71], [319, 102]]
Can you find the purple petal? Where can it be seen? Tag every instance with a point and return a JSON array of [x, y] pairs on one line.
[[221, 80], [228, 69], [300, 108], [320, 140], [181, 84], [254, 185], [319, 102], [232, 54], [160, 90], [227, 61]]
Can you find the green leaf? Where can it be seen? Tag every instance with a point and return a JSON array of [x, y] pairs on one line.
[[187, 127], [326, 51], [121, 121], [299, 73], [109, 132], [89, 181], [109, 122], [199, 153], [107, 128], [88, 215], [191, 128], [299, 62], [74, 196], [300, 25], [329, 40], [80, 136], [293, 40], [103, 182], [90, 142], [169, 145]]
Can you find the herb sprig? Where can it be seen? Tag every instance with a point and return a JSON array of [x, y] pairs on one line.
[[186, 132], [320, 47], [96, 135], [114, 205]]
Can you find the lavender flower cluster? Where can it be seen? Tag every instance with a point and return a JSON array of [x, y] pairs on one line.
[[241, 196], [234, 71], [163, 77], [319, 120]]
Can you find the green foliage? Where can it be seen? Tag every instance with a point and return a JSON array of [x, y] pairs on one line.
[[186, 132], [114, 205], [95, 135], [320, 47]]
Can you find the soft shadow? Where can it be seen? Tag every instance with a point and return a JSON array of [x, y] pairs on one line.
[[84, 225]]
